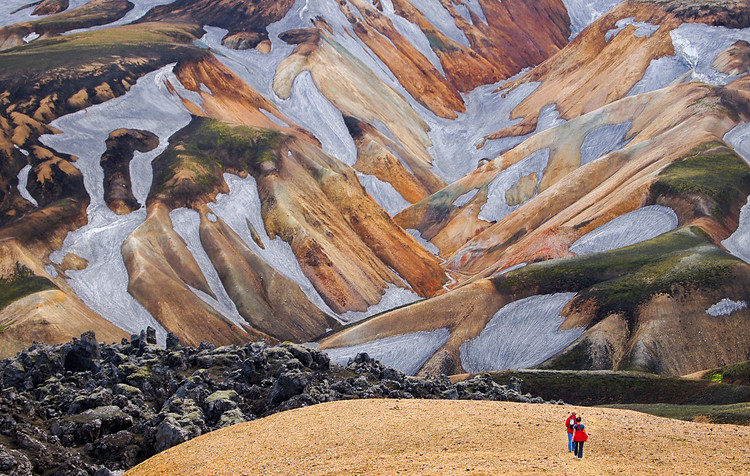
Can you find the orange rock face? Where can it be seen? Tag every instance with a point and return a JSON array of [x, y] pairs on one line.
[[592, 72]]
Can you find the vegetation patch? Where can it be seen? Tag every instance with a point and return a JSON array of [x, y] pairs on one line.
[[620, 280], [738, 373], [201, 152], [712, 171], [19, 283], [604, 387], [735, 414]]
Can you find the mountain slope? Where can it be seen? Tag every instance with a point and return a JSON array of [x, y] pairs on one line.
[[572, 177]]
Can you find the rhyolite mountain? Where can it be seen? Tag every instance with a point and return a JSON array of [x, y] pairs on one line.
[[449, 185]]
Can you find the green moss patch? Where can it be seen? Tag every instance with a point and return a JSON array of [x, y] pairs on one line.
[[603, 387], [620, 280], [735, 414], [714, 172], [738, 373], [20, 283], [201, 152]]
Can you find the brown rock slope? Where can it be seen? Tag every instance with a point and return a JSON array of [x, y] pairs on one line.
[[246, 21], [454, 437], [347, 245]]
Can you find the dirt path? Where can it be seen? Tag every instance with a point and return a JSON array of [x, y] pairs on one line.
[[455, 437]]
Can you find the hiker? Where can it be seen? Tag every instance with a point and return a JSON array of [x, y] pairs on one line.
[[569, 422], [579, 437]]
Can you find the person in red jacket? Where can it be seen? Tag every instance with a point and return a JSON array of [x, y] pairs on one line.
[[579, 437], [569, 422]]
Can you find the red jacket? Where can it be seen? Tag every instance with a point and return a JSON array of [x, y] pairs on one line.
[[569, 422], [580, 432]]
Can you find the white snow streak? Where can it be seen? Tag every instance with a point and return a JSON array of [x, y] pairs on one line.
[[407, 352], [628, 229], [520, 335]]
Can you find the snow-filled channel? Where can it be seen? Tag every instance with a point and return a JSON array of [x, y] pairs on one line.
[[383, 193], [738, 242], [726, 307], [496, 208], [441, 19], [628, 229], [242, 205], [186, 223], [425, 244], [23, 181], [698, 45], [413, 34], [582, 13], [407, 353], [603, 140], [520, 335], [102, 285], [454, 141]]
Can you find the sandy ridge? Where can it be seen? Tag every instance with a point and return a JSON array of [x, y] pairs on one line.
[[455, 437]]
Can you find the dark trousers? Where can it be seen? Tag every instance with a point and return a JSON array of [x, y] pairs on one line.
[[578, 448]]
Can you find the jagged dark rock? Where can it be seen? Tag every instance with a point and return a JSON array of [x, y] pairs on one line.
[[89, 408]]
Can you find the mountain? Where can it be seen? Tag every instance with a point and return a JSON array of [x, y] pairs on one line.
[[451, 186]]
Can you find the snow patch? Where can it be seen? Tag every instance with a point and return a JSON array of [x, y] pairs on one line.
[[661, 72], [465, 198], [726, 307], [603, 140], [141, 8], [425, 244], [582, 13], [520, 335], [51, 270], [642, 28], [739, 242], [394, 297], [383, 193], [31, 37], [407, 353], [496, 208], [511, 268], [628, 229], [23, 181], [698, 45]]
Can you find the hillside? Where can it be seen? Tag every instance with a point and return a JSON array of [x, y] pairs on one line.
[[452, 186], [447, 437]]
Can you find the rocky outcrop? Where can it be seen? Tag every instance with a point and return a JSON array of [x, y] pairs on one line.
[[246, 21], [121, 145], [50, 7], [85, 407], [735, 60], [515, 35]]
